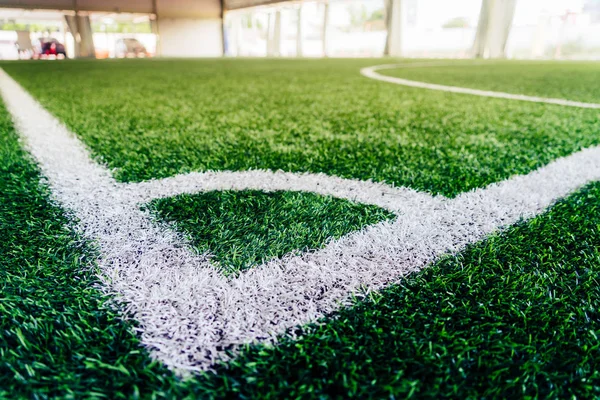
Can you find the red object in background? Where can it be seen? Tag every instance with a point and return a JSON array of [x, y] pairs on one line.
[[50, 49]]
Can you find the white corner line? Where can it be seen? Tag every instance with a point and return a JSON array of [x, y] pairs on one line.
[[188, 312], [371, 72], [366, 192]]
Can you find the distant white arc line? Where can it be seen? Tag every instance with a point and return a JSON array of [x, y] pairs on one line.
[[188, 312], [371, 72]]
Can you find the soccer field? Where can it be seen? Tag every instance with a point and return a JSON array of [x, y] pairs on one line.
[[293, 229]]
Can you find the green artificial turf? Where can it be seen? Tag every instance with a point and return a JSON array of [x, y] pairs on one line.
[[155, 118], [579, 81], [243, 229], [58, 338], [515, 316]]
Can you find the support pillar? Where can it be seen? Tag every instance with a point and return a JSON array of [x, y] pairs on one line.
[[190, 37], [270, 35], [325, 28], [81, 29], [190, 28], [154, 28], [277, 34], [155, 31], [299, 32], [394, 14], [224, 38], [493, 28]]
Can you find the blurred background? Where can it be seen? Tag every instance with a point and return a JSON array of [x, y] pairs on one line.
[[523, 29]]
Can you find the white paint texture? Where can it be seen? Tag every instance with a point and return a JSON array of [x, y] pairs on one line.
[[188, 312], [371, 72]]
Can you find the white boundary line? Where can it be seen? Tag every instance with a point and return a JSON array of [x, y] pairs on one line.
[[366, 192], [371, 72], [188, 312]]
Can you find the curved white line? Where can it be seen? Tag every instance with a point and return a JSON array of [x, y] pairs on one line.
[[371, 72], [365, 192], [188, 312]]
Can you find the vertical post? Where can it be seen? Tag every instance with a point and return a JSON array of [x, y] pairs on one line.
[[223, 33], [65, 28], [481, 36], [388, 24], [507, 24], [299, 32], [277, 34], [71, 24], [325, 28], [493, 28], [63, 32], [81, 29], [76, 35], [500, 24], [86, 38], [269, 37], [394, 15], [155, 27]]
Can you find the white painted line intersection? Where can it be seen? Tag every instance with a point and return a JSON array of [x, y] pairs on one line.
[[187, 311]]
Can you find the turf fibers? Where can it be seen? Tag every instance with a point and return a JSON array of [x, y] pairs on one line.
[[515, 315], [58, 336], [247, 228], [155, 118], [578, 81]]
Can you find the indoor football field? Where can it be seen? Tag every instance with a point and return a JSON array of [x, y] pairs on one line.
[[272, 228]]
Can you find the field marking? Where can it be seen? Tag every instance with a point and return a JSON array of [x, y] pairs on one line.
[[371, 72], [365, 192], [188, 312]]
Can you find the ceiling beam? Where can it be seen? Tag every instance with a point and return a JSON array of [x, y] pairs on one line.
[[238, 4], [206, 9]]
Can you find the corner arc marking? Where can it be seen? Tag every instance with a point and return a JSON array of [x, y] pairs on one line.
[[187, 310]]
